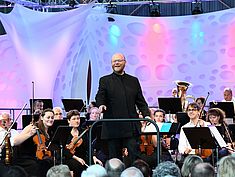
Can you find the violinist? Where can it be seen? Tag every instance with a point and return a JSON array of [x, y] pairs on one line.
[[193, 111], [5, 123], [200, 101], [29, 145], [216, 117], [76, 151], [148, 153]]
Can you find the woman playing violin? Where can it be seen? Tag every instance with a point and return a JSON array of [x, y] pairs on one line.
[[28, 146], [76, 153]]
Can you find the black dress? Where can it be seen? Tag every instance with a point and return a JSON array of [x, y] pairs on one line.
[[25, 156], [81, 152]]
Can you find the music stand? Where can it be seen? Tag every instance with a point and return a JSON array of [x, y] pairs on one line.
[[169, 128], [227, 107], [182, 118], [170, 105], [70, 104], [56, 124], [47, 103], [200, 137], [27, 119], [59, 140]]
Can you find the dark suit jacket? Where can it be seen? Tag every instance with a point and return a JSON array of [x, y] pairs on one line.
[[121, 94]]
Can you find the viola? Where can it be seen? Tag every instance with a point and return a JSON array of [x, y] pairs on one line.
[[42, 151], [76, 142], [146, 145]]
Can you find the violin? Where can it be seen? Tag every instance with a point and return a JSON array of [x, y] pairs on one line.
[[146, 145], [40, 141], [76, 142], [203, 153]]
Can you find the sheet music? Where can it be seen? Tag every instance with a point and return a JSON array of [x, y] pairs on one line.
[[217, 136]]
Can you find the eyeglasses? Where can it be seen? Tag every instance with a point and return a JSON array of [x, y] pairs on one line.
[[118, 61], [192, 109], [58, 113]]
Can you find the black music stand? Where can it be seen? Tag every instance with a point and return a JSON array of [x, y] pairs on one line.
[[182, 118], [170, 105], [70, 104], [56, 124], [201, 138], [227, 107], [59, 140], [47, 103], [27, 119]]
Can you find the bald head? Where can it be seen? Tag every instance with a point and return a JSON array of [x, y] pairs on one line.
[[118, 63], [114, 167]]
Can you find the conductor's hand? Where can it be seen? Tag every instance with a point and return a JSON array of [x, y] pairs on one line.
[[102, 108]]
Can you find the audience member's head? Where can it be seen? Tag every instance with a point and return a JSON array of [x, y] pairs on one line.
[[228, 94], [132, 171], [94, 114], [15, 171], [114, 167], [94, 171], [143, 167], [58, 113], [203, 170], [226, 167], [59, 171], [189, 162], [166, 168]]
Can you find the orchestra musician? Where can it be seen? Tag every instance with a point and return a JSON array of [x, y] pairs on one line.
[[149, 142], [216, 117], [200, 101], [5, 123], [76, 151], [193, 111], [32, 153]]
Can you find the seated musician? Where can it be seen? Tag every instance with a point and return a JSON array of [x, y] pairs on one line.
[[193, 111], [200, 101], [216, 117], [5, 123], [149, 142], [76, 151], [32, 153]]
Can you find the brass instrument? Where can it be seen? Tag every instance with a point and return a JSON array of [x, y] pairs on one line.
[[182, 87]]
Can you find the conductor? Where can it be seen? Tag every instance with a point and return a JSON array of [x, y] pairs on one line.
[[117, 97]]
